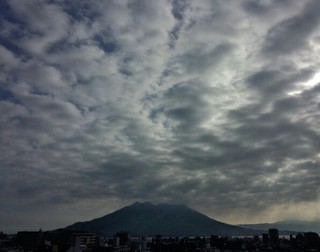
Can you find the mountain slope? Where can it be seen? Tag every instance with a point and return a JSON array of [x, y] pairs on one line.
[[298, 226], [148, 219]]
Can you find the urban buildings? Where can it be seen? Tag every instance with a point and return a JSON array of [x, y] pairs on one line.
[[69, 241]]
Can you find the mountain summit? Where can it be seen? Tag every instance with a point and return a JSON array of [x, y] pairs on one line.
[[165, 219]]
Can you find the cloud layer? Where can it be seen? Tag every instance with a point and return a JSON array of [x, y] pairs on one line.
[[213, 104]]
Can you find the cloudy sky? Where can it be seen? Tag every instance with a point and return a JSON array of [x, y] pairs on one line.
[[212, 103]]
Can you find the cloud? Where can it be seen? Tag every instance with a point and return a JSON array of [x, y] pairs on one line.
[[292, 35], [198, 102], [38, 24]]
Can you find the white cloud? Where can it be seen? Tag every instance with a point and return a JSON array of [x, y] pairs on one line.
[[45, 24]]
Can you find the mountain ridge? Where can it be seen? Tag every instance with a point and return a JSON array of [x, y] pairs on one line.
[[166, 219]]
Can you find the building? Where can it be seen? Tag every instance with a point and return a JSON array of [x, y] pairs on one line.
[[82, 242], [121, 242], [273, 235]]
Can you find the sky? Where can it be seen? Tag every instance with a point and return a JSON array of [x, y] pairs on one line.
[[211, 103]]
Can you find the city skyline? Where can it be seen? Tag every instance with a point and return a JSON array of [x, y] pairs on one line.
[[211, 104]]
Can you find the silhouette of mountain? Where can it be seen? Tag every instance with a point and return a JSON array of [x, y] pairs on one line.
[[298, 226], [168, 220]]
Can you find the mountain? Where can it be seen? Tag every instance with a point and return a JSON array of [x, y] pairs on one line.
[[298, 226], [168, 220]]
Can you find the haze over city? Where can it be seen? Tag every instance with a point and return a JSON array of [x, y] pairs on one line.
[[213, 104]]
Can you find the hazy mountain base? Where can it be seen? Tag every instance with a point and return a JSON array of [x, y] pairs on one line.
[[298, 226]]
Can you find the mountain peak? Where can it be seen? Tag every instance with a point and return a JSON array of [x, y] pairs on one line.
[[146, 203], [160, 205]]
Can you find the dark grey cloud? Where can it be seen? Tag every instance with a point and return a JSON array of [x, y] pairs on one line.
[[265, 8], [169, 101], [292, 35], [275, 82]]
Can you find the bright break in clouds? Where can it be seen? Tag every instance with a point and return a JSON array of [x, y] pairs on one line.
[[210, 103]]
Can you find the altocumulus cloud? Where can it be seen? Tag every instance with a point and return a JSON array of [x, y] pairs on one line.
[[206, 103]]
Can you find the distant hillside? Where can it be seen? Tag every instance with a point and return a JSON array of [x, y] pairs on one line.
[[298, 226], [168, 220]]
